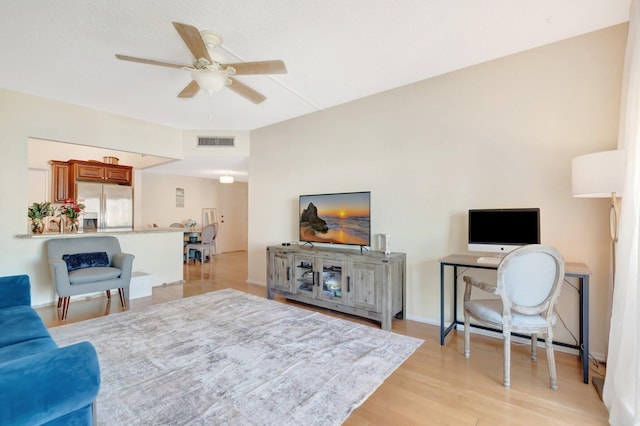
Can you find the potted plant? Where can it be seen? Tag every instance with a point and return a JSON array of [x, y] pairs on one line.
[[36, 212], [72, 210]]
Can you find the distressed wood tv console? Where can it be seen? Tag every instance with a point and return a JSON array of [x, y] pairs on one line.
[[369, 284]]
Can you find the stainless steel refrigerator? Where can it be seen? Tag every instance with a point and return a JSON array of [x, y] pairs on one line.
[[108, 207]]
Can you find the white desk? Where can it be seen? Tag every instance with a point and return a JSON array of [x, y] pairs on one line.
[[574, 270]]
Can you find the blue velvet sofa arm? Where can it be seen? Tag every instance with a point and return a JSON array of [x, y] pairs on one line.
[[15, 291], [46, 386]]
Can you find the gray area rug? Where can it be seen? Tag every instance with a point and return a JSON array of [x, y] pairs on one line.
[[229, 357]]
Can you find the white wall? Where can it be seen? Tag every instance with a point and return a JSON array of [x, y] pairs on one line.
[[159, 198], [190, 142], [158, 205], [25, 116], [497, 135]]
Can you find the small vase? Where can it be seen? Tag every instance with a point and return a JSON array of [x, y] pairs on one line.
[[37, 227], [73, 225]]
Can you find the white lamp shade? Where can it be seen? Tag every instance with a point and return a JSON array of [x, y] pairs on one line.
[[226, 179], [209, 80], [598, 175]]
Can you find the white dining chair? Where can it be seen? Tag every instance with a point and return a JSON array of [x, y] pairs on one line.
[[204, 247], [528, 283]]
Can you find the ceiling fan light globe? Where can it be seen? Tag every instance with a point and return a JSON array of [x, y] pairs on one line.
[[209, 80]]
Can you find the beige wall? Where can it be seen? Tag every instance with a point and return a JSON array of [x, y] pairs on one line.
[[25, 116], [497, 135], [190, 145], [159, 198], [230, 201]]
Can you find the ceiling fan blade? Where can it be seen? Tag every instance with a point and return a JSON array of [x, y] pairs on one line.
[[259, 67], [190, 91], [246, 91], [193, 40], [148, 61]]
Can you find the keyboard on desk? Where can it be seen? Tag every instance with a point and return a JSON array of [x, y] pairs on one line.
[[489, 260]]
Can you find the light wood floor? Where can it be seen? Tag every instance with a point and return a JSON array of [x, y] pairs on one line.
[[435, 386]]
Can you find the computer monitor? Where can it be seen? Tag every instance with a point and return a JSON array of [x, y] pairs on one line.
[[503, 230]]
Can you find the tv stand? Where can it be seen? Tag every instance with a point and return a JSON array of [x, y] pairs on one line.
[[370, 284], [309, 243]]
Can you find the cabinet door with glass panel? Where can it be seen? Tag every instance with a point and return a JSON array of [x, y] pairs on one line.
[[333, 279], [305, 277]]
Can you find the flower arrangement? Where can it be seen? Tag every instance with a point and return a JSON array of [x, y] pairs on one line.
[[71, 208]]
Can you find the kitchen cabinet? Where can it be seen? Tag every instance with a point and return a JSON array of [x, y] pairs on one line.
[[65, 174], [60, 181]]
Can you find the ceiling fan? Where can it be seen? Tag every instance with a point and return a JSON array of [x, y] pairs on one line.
[[209, 70]]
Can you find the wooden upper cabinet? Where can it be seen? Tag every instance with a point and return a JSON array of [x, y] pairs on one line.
[[87, 171], [60, 181], [119, 174], [65, 174]]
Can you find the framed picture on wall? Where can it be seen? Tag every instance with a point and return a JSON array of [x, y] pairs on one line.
[[179, 197]]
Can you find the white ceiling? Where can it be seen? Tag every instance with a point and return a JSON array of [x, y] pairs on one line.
[[336, 51]]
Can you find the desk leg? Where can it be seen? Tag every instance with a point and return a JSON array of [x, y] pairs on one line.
[[584, 326], [441, 304], [444, 330], [455, 296]]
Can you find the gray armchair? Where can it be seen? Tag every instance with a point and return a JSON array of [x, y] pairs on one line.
[[82, 265]]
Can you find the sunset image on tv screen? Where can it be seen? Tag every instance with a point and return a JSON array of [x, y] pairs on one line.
[[336, 218]]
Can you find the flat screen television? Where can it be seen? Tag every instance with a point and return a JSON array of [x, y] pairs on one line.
[[503, 230], [343, 218]]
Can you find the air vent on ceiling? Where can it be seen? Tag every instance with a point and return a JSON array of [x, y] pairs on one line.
[[216, 141]]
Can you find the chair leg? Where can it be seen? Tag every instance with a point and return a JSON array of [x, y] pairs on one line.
[[123, 300], [59, 302], [108, 294], [534, 346], [548, 342], [507, 358], [203, 253], [467, 332], [65, 307]]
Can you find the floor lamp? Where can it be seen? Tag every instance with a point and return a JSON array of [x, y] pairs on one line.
[[601, 175]]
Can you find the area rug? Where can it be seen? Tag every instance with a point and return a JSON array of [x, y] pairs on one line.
[[228, 357]]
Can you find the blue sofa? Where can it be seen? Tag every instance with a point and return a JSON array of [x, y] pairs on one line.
[[41, 383]]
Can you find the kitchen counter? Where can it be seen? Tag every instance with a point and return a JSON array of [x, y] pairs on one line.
[[101, 232], [158, 252]]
